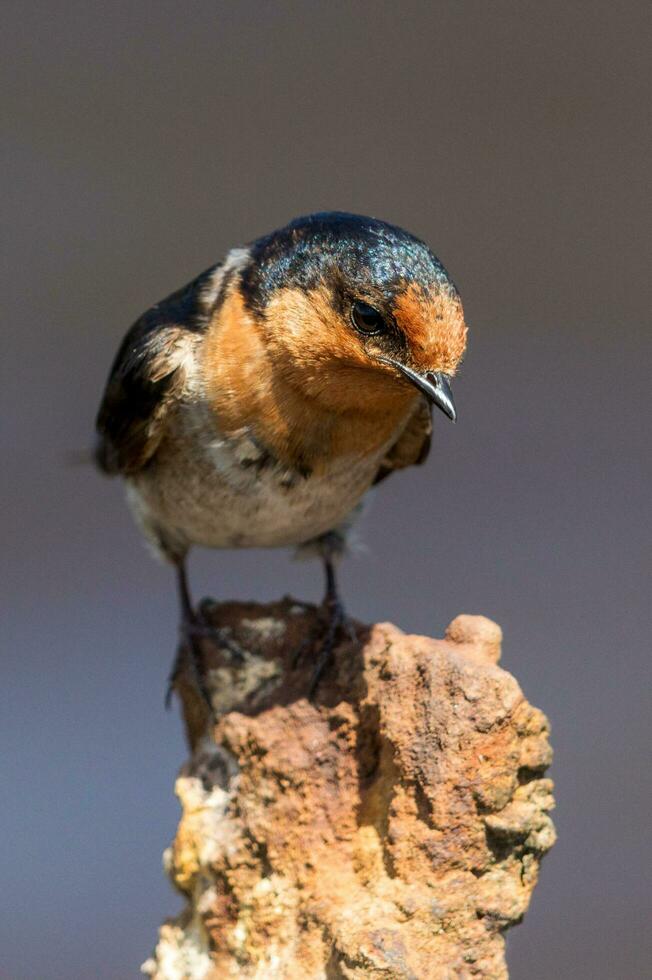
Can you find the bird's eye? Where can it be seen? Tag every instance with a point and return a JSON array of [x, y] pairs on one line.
[[366, 319]]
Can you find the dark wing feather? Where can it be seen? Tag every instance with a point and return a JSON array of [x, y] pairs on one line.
[[145, 376], [412, 446]]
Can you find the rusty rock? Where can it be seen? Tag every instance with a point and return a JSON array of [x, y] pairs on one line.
[[391, 829]]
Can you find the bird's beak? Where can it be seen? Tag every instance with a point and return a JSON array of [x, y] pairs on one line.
[[435, 385]]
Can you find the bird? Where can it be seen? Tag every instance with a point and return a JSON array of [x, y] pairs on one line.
[[258, 405]]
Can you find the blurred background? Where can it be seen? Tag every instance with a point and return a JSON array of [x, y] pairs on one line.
[[142, 141]]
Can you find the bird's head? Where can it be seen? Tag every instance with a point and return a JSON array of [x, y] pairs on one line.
[[356, 311]]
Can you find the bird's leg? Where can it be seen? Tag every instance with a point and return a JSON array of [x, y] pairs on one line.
[[337, 622], [188, 620], [193, 628]]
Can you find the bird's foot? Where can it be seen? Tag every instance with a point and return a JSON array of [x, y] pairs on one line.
[[189, 664], [193, 629], [198, 628], [335, 626]]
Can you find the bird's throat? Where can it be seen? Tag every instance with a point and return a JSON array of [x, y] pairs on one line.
[[250, 386]]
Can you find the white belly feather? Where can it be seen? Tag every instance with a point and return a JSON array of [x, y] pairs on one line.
[[226, 495]]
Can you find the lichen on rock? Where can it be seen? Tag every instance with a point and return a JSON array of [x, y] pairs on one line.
[[392, 828]]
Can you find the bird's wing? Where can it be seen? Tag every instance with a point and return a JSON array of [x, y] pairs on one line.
[[412, 446], [146, 375]]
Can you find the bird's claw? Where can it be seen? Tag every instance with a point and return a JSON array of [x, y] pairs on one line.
[[337, 626], [220, 636], [191, 631], [192, 667]]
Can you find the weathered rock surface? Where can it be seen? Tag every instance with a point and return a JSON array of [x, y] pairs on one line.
[[393, 828]]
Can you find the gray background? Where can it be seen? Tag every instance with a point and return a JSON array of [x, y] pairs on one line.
[[146, 139]]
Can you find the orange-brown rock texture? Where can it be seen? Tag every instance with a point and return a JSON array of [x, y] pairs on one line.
[[393, 827]]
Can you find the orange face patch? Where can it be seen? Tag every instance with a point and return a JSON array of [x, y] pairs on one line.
[[305, 326], [434, 326], [299, 380], [318, 350]]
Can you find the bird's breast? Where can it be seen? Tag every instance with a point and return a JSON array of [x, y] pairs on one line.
[[223, 491]]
